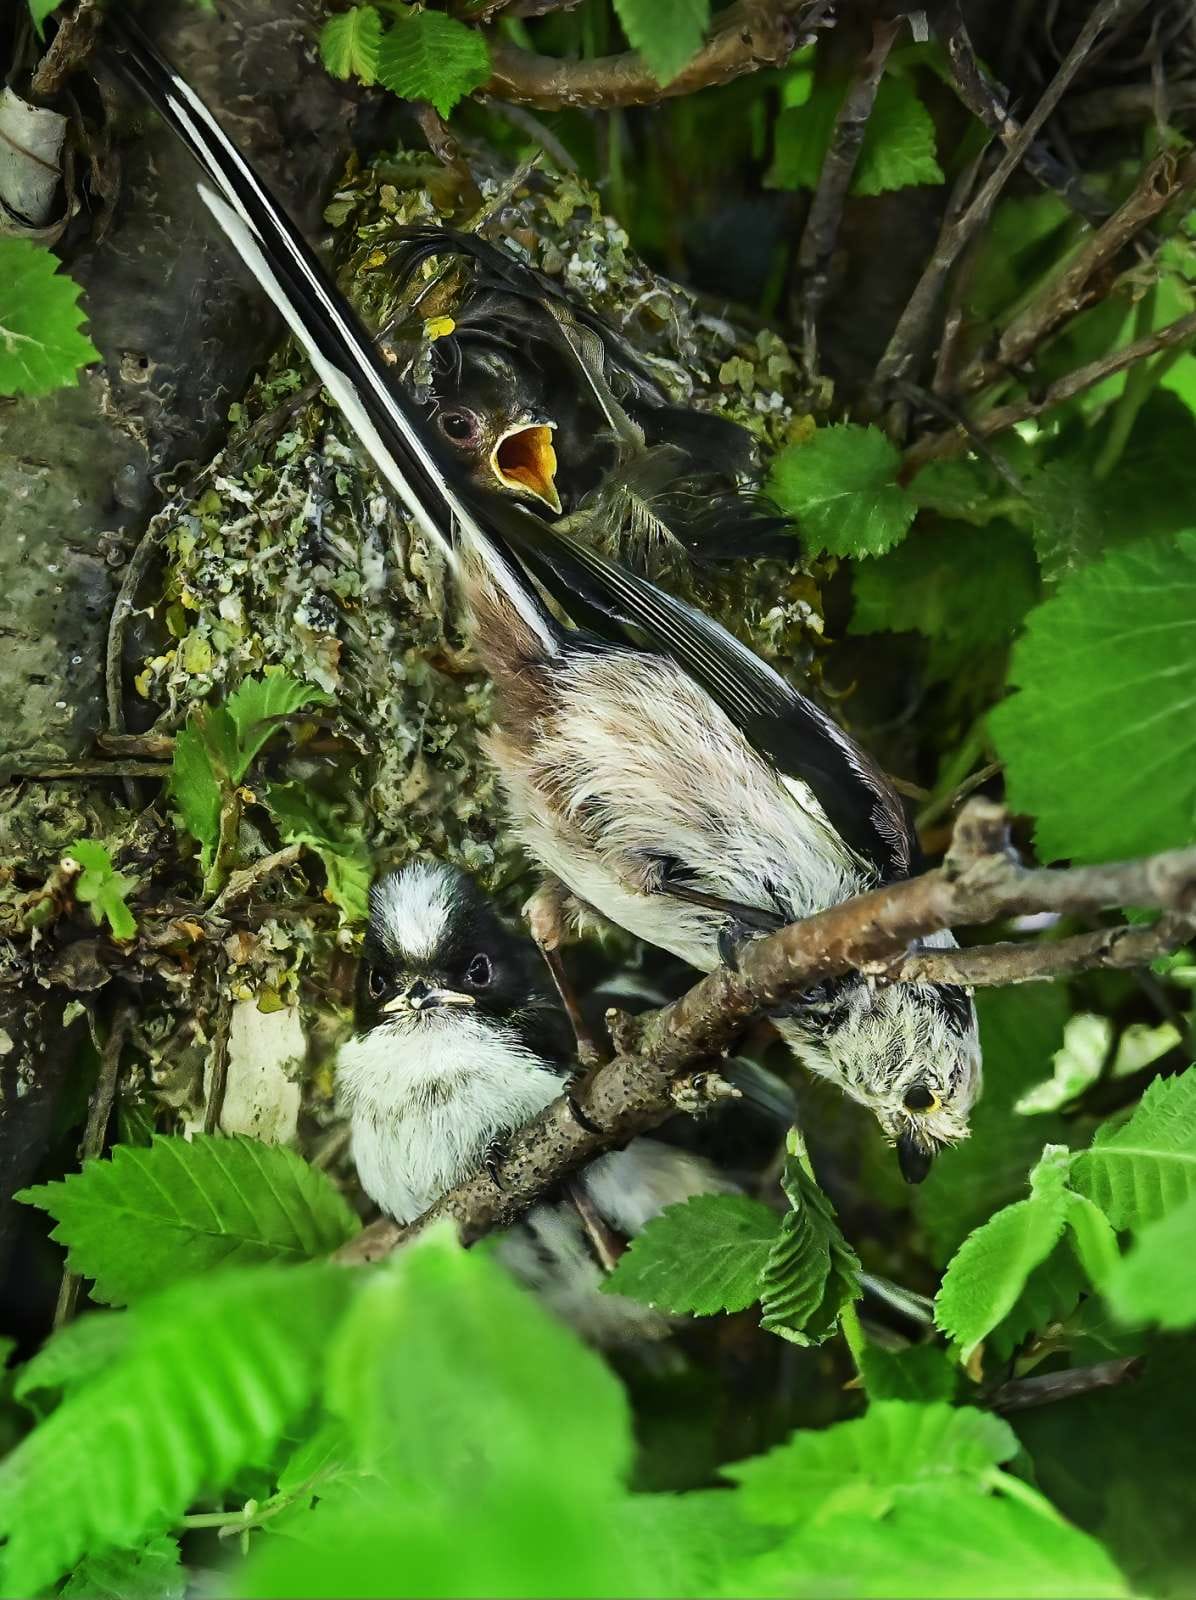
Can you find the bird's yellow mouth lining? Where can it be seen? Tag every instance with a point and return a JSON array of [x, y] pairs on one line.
[[525, 459]]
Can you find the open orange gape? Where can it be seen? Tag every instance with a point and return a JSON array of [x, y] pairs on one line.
[[524, 458]]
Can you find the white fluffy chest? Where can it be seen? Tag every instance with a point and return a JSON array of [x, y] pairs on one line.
[[639, 767], [426, 1096]]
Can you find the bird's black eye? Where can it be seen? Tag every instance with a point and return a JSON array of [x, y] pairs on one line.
[[376, 984], [479, 972], [919, 1098], [459, 426]]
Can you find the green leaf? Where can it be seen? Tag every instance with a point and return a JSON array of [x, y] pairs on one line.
[[898, 147], [303, 819], [1120, 1462], [811, 1272], [349, 43], [73, 1354], [252, 705], [39, 10], [702, 1256], [446, 1372], [1154, 1281], [802, 135], [104, 889], [425, 55], [956, 1546], [150, 1216], [967, 590], [667, 33], [990, 1269], [1146, 1168], [1099, 741], [151, 1571], [541, 1532], [41, 346], [1019, 1030], [923, 1372], [899, 142], [1051, 1294], [195, 790], [215, 1371], [899, 1449], [842, 489]]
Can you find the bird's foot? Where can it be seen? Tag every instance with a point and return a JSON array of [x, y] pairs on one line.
[[733, 939], [575, 1092], [495, 1153]]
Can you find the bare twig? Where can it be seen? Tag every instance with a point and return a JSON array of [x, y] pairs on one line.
[[936, 446], [1079, 283], [242, 883], [89, 771], [748, 36], [1133, 102], [99, 1110], [910, 335], [1046, 1388], [987, 101], [979, 882], [1121, 948], [826, 208], [218, 1080]]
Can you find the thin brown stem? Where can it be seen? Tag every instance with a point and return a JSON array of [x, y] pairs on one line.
[[99, 1111], [821, 231], [910, 336], [1083, 277]]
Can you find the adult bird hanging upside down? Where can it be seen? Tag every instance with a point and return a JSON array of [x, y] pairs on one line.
[[654, 766]]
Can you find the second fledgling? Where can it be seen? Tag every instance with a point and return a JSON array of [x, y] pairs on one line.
[[459, 1040]]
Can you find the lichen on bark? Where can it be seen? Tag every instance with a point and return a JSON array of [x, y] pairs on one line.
[[282, 554]]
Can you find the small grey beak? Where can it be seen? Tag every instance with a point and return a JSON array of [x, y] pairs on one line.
[[914, 1159], [420, 996]]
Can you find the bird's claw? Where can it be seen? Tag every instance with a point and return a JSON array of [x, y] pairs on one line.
[[733, 939], [495, 1153], [701, 1091]]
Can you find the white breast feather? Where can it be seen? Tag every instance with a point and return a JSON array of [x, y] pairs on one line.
[[426, 1096], [651, 767]]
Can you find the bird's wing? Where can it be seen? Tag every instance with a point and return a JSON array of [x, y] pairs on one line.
[[300, 287], [786, 727]]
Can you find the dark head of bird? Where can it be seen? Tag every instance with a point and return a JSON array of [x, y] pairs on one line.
[[436, 949]]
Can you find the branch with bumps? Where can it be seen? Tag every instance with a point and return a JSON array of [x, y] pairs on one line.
[[981, 881]]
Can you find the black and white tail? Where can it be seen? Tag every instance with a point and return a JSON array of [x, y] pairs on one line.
[[301, 288]]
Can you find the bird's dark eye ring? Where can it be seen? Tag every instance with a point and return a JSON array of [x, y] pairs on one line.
[[919, 1098], [376, 984], [459, 426], [479, 972]]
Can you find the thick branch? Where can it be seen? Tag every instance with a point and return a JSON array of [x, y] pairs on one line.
[[908, 337], [979, 882], [749, 35]]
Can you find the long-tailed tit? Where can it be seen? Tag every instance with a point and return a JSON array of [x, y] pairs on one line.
[[658, 769], [458, 1041]]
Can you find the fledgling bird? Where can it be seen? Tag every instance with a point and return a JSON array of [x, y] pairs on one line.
[[655, 767], [540, 396], [458, 1041]]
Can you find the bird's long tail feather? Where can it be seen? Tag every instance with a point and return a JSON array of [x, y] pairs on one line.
[[303, 291]]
